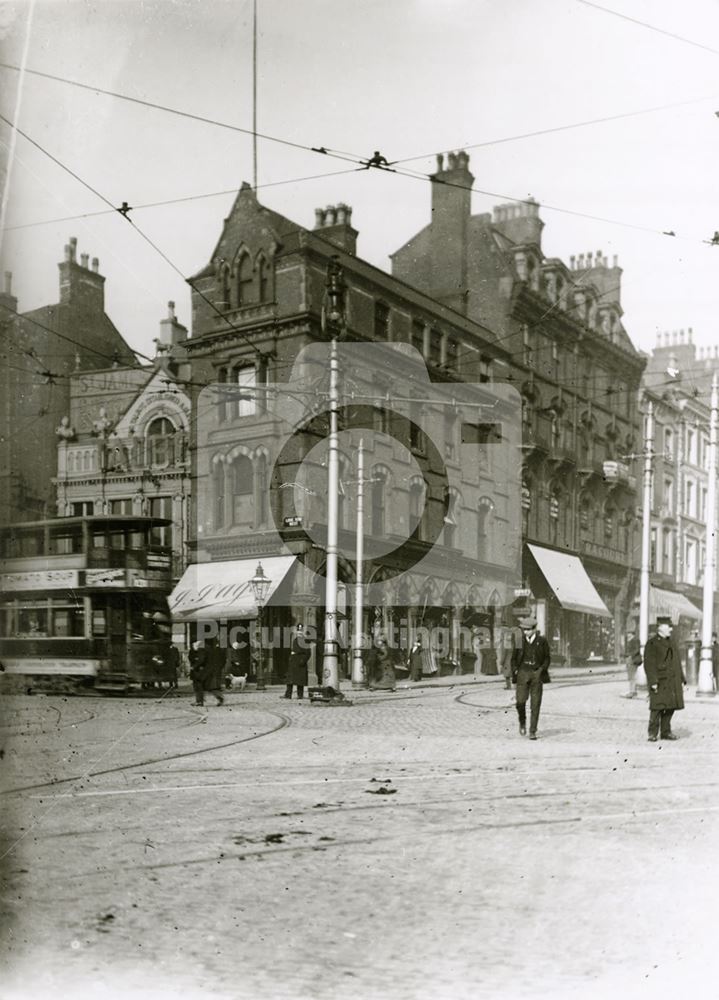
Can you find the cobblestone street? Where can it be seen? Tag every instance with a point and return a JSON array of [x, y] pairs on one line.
[[410, 846]]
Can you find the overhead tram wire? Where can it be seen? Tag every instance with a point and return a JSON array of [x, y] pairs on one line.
[[651, 27], [174, 111], [179, 201], [144, 236], [558, 128], [338, 154]]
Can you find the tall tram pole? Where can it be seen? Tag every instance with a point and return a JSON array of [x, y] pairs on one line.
[[254, 96], [641, 677], [333, 320], [705, 686], [358, 672]]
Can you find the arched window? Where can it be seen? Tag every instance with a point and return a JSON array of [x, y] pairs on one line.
[[244, 280], [379, 501], [263, 279], [585, 514], [218, 492], [555, 516], [225, 286], [417, 494], [243, 487], [526, 506], [261, 491], [451, 519], [484, 513], [610, 519], [160, 442]]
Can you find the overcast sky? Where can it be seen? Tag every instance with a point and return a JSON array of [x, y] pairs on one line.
[[407, 77]]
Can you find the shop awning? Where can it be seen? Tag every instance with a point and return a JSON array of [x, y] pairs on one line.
[[570, 582], [217, 590], [666, 602]]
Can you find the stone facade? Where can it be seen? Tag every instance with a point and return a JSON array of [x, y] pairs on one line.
[[123, 444], [579, 375]]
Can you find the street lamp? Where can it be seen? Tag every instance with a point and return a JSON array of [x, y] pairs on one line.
[[260, 589]]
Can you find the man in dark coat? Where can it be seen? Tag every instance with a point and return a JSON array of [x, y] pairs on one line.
[[297, 664], [665, 679], [214, 669], [530, 670]]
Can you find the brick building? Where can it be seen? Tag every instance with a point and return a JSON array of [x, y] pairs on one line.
[[579, 376], [256, 305], [41, 349]]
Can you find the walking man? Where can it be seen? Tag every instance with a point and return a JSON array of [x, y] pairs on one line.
[[633, 659], [665, 679], [530, 670]]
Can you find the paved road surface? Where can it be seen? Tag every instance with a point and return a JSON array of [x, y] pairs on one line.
[[410, 847]]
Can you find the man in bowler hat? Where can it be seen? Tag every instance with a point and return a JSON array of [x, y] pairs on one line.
[[530, 671], [665, 680]]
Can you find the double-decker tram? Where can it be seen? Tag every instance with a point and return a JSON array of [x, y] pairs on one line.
[[84, 599]]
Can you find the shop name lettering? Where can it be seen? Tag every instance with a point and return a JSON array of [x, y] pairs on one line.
[[108, 382], [48, 578], [214, 591]]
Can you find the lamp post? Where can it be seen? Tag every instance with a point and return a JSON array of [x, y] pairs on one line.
[[260, 588], [333, 320], [705, 687], [641, 677]]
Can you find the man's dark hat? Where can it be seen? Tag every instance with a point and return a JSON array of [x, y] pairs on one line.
[[665, 620]]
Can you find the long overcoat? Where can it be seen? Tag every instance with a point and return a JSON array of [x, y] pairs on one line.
[[663, 668], [297, 663]]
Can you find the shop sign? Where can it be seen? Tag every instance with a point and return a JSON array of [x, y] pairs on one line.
[[47, 665], [49, 579], [148, 578], [104, 577], [522, 592]]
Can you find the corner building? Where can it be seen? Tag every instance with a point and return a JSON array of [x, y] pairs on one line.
[[445, 546], [579, 377]]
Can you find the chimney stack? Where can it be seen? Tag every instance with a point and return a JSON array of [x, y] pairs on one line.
[[171, 330], [334, 223]]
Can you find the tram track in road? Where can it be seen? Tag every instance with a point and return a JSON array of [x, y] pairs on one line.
[[284, 721], [581, 814]]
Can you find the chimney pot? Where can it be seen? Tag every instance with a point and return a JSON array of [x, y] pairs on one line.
[[8, 282], [572, 262], [319, 218], [95, 264], [341, 215], [615, 261], [440, 162], [73, 247], [84, 259], [330, 215], [171, 309], [589, 259], [452, 157], [68, 252], [580, 262]]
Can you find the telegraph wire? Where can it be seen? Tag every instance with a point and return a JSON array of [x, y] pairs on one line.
[[651, 27]]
